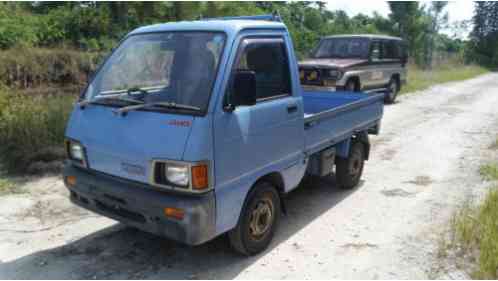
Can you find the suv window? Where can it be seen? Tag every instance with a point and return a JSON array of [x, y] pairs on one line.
[[390, 50], [375, 51], [268, 59]]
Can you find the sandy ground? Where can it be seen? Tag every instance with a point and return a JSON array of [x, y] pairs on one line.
[[423, 164]]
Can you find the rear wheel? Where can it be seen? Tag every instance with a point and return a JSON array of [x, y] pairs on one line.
[[392, 91], [349, 170], [257, 222]]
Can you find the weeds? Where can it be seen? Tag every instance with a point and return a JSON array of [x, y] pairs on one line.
[[31, 128], [33, 67], [489, 171], [476, 230]]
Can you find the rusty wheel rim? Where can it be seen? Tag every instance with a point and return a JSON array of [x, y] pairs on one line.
[[261, 219]]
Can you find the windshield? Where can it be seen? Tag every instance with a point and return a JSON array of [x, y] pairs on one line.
[[342, 48], [173, 67]]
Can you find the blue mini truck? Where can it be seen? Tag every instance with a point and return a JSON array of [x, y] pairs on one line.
[[193, 129]]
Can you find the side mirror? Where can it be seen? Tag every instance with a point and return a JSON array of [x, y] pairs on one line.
[[243, 90]]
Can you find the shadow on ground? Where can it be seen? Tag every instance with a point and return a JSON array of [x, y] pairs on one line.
[[119, 252]]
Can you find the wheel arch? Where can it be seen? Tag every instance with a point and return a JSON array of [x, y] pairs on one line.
[[276, 180], [356, 80], [362, 137]]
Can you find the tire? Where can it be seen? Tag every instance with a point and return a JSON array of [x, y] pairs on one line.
[[349, 170], [393, 89], [351, 86], [257, 222]]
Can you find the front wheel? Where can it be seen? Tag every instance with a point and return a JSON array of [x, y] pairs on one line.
[[257, 222], [349, 170], [392, 91]]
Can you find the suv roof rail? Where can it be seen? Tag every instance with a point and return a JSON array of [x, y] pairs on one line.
[[275, 16]]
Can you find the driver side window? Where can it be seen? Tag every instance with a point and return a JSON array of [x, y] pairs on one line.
[[267, 58]]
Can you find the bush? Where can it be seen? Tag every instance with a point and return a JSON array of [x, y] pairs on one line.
[[32, 128], [16, 27]]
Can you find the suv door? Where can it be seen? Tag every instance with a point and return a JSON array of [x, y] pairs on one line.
[[376, 77], [268, 136]]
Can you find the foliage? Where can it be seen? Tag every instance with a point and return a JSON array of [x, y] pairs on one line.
[[484, 37], [97, 26], [476, 228], [31, 127]]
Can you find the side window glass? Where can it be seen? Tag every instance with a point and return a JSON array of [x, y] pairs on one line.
[[375, 51], [268, 60]]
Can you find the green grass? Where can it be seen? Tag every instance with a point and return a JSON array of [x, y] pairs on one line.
[[476, 231], [489, 171], [419, 79]]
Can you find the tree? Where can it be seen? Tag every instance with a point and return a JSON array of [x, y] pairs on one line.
[[484, 36], [436, 19], [405, 16]]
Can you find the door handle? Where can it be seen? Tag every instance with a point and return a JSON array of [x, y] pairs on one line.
[[292, 108]]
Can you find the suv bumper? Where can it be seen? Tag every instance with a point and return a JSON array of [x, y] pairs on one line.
[[137, 205]]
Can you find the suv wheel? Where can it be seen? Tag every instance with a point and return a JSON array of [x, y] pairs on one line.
[[258, 221], [351, 86], [392, 91]]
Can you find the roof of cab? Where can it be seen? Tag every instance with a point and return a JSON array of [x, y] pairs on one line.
[[227, 26]]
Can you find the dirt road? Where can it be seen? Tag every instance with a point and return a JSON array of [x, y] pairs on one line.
[[424, 163]]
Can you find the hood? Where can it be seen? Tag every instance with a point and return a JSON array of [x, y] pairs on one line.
[[124, 146], [331, 63]]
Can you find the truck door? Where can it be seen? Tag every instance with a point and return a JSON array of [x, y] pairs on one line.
[[252, 140]]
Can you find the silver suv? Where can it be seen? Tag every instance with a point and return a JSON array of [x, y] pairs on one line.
[[370, 63]]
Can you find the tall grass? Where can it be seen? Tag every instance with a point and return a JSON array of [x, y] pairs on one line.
[[476, 228], [34, 67], [419, 79], [31, 128]]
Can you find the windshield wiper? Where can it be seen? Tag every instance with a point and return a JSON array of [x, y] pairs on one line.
[[84, 103], [125, 109]]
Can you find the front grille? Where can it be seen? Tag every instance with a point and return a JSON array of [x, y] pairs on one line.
[[120, 211]]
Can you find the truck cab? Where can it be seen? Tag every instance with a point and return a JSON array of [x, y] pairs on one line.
[[193, 129]]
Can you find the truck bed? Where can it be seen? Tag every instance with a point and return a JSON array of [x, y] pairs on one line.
[[330, 117]]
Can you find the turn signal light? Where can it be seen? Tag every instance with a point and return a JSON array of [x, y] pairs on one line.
[[200, 177], [175, 213], [71, 180]]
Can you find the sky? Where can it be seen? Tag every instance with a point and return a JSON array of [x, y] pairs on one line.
[[457, 10]]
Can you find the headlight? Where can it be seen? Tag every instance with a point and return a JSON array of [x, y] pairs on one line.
[[182, 176], [177, 174], [76, 152], [335, 74]]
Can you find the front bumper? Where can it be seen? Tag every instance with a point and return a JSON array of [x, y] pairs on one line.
[[138, 205]]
